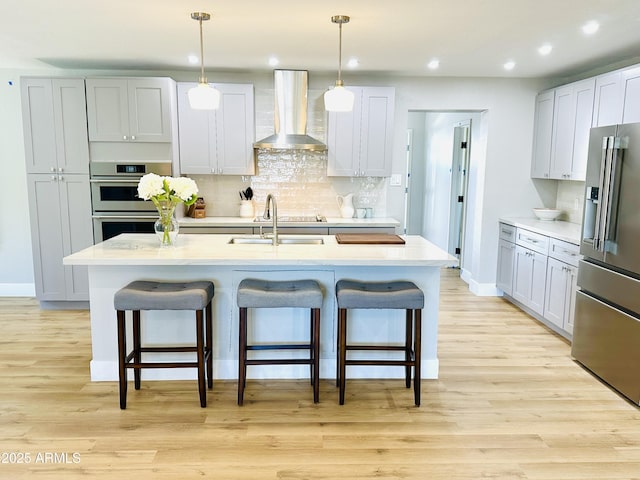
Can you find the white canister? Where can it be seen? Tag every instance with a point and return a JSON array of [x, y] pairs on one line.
[[246, 209]]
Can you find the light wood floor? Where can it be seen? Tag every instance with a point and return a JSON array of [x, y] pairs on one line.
[[510, 404]]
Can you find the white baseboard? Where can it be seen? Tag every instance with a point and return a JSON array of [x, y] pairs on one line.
[[17, 290], [480, 289]]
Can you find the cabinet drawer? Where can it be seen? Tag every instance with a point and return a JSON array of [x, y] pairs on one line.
[[507, 232], [564, 251], [534, 241]]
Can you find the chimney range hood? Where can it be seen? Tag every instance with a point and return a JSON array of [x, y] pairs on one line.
[[290, 114]]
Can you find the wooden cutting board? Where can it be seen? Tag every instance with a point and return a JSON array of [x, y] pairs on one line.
[[369, 238]]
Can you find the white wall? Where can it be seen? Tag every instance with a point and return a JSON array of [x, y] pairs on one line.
[[504, 184]]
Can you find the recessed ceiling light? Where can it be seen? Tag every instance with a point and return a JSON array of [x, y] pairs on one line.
[[433, 64], [353, 63], [591, 27], [273, 61], [510, 65], [545, 49], [193, 59]]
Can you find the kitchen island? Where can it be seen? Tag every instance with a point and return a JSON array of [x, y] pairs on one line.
[[116, 262]]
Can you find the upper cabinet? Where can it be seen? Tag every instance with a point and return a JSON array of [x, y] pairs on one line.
[[561, 135], [631, 104], [129, 109], [609, 98], [55, 125], [217, 141], [360, 142]]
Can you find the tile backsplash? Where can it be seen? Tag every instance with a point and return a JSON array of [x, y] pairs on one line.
[[299, 181], [570, 199]]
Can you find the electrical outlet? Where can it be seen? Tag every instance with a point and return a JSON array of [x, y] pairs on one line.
[[576, 204], [395, 180]]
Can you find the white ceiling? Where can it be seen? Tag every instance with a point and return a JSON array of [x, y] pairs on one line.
[[470, 37]]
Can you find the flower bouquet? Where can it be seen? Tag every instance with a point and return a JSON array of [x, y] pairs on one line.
[[166, 193]]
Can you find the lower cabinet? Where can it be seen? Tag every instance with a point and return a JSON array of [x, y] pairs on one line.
[[60, 214], [539, 273]]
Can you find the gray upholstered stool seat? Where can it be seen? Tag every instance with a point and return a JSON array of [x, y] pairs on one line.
[[257, 293], [353, 294], [150, 295]]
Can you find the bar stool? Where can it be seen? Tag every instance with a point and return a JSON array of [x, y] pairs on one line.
[[148, 295], [353, 294], [254, 293]]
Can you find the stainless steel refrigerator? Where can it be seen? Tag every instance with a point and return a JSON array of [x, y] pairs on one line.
[[606, 335]]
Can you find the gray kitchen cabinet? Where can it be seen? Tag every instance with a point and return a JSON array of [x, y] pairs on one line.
[[561, 286], [542, 135], [572, 117], [529, 276], [130, 109], [631, 85], [60, 215], [608, 100], [360, 142], [54, 118], [506, 258], [218, 141]]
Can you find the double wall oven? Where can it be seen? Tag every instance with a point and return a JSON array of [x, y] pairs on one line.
[[114, 198]]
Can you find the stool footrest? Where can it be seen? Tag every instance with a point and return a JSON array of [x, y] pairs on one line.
[[400, 363], [280, 347], [162, 365], [167, 349], [394, 348], [280, 361]]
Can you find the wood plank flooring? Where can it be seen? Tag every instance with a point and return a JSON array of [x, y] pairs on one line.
[[510, 404]]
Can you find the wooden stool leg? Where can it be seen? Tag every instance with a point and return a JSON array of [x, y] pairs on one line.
[[342, 325], [338, 352], [316, 354], [408, 347], [122, 354], [200, 355], [242, 355], [311, 345], [209, 345], [417, 355], [137, 356]]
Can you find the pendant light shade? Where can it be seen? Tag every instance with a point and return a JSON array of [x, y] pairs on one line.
[[339, 99], [203, 96]]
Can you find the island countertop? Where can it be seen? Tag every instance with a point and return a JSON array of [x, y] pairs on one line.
[[215, 249]]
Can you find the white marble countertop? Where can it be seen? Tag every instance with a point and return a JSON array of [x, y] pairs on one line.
[[569, 232], [206, 249], [249, 222]]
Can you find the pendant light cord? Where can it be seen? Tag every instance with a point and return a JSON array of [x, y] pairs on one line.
[[339, 82], [203, 79]]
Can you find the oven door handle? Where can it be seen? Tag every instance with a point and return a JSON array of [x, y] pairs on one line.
[[114, 180], [125, 217]]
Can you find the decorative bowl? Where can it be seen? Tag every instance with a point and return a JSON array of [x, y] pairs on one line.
[[546, 213]]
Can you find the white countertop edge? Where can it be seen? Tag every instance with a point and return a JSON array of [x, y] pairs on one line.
[[207, 249], [566, 231]]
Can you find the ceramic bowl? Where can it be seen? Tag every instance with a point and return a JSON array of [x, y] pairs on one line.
[[546, 213]]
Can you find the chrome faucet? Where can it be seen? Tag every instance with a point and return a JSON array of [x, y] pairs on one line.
[[267, 214]]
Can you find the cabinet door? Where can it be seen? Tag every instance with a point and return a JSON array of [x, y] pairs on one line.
[[506, 256], [47, 237], [149, 101], [538, 281], [583, 92], [522, 275], [376, 131], [563, 130], [235, 131], [555, 304], [542, 134], [77, 231], [607, 105], [631, 85], [343, 139], [38, 121], [107, 109], [196, 136]]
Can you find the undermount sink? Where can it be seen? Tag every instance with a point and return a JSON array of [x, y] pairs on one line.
[[281, 240]]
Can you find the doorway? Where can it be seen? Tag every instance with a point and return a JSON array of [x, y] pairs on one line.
[[439, 160]]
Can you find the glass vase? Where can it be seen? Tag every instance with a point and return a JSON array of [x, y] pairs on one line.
[[166, 227]]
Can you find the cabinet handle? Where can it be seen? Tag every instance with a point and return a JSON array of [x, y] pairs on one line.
[[124, 137], [60, 169], [219, 170], [54, 178], [133, 137], [532, 240], [53, 169], [60, 177], [506, 232]]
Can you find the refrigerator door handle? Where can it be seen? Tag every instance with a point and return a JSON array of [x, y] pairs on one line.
[[598, 229], [613, 194]]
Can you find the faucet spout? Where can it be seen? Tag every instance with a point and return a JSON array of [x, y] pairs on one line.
[[274, 217]]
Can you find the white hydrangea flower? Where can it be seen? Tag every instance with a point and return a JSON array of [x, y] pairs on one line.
[[150, 185], [183, 187]]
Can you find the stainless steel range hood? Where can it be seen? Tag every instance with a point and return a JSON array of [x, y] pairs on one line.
[[290, 114]]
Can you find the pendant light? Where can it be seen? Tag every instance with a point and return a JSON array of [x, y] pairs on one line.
[[204, 96], [339, 99]]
